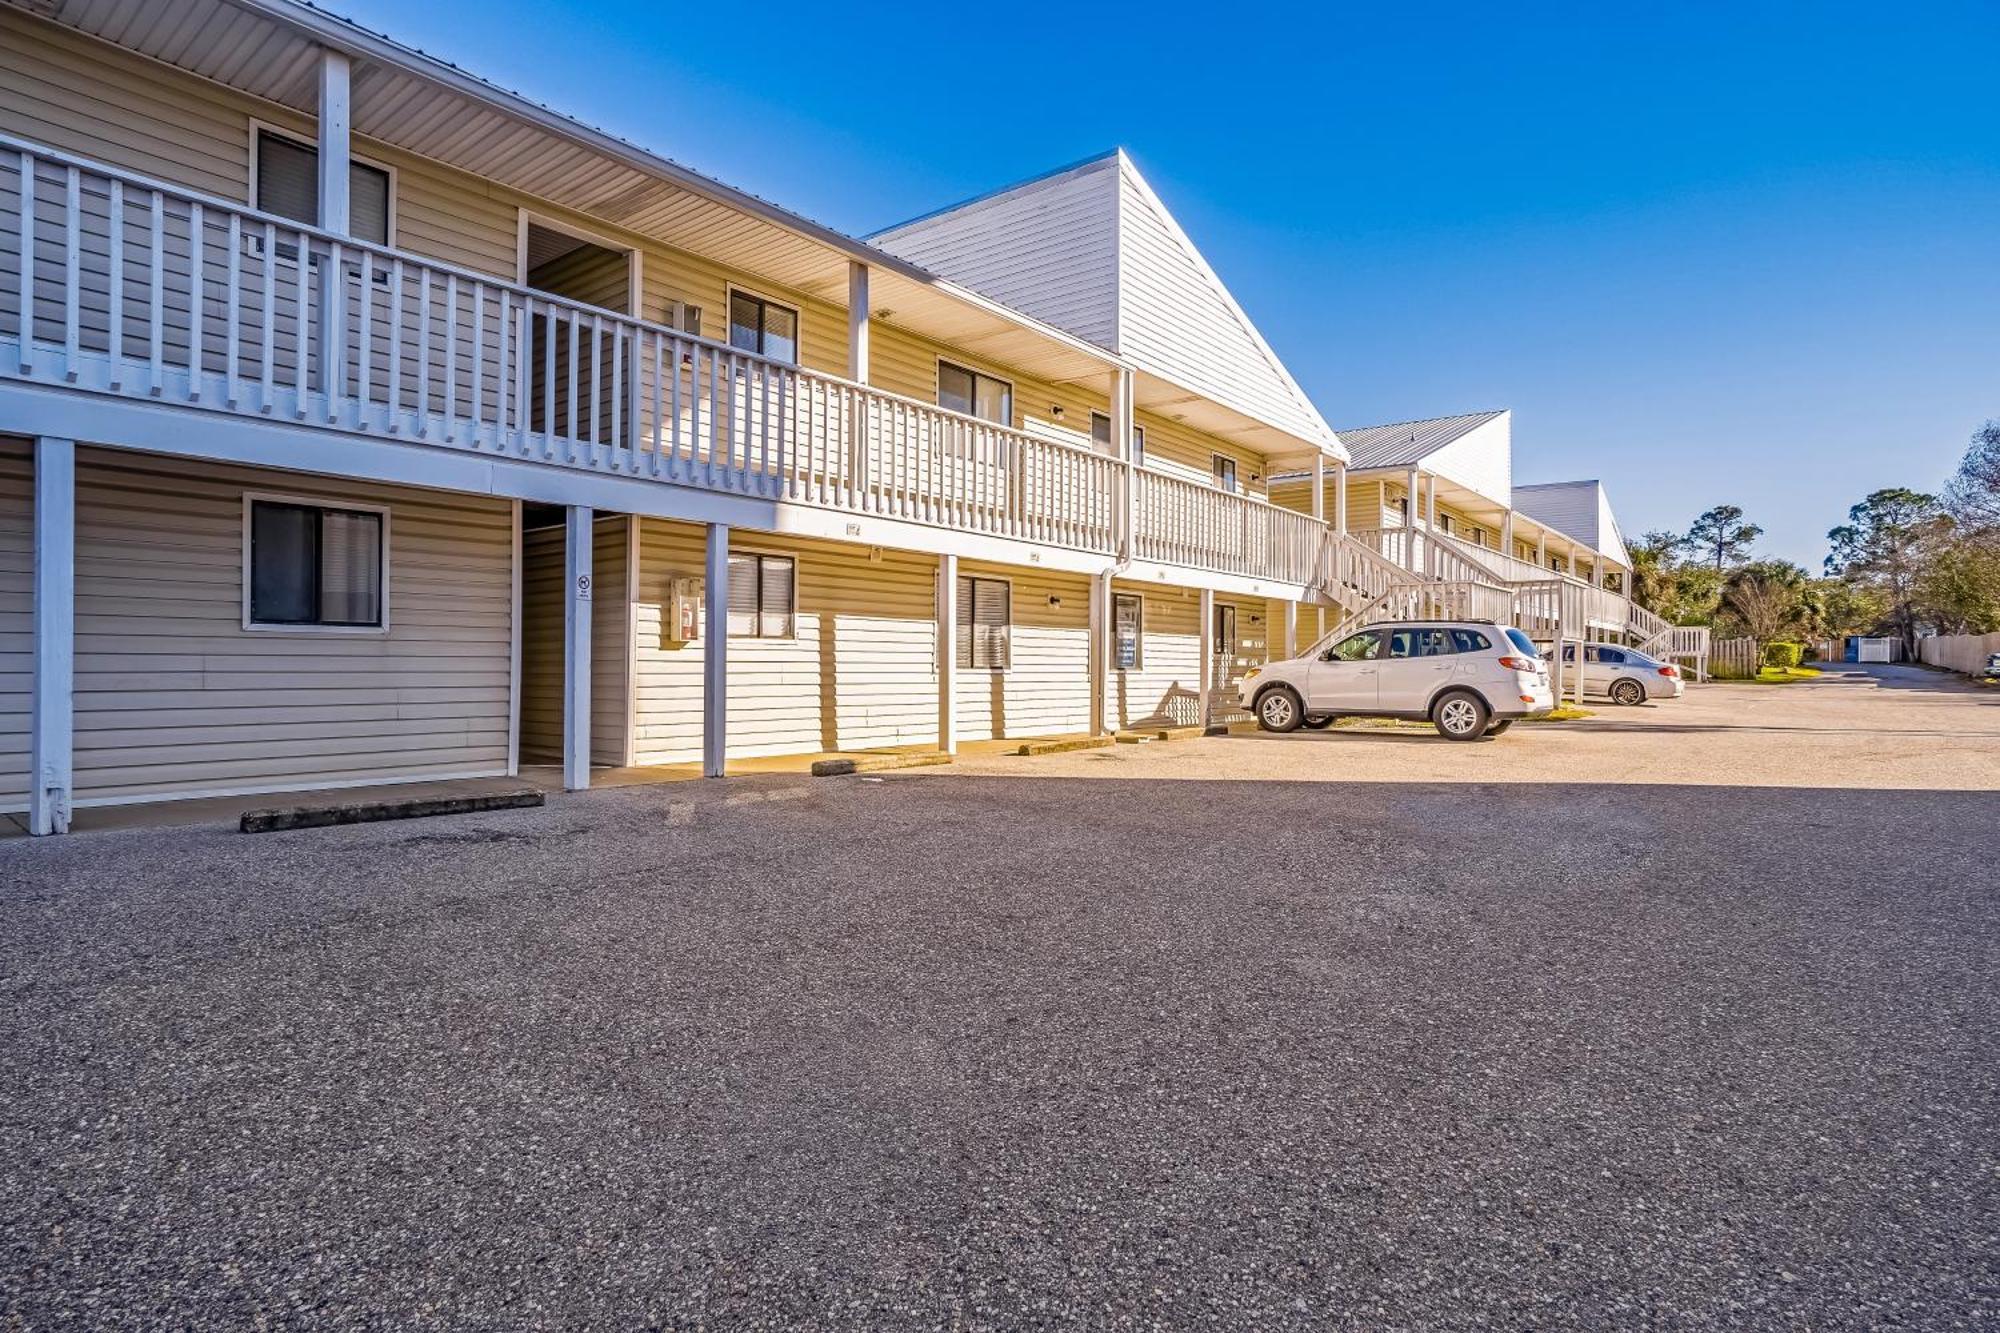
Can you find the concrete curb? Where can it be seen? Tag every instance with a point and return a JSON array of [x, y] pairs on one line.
[[1063, 746], [370, 812], [1148, 736], [875, 763]]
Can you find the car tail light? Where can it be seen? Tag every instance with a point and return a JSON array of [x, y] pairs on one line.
[[1670, 671], [1518, 663]]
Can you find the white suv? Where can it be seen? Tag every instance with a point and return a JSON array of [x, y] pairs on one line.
[[1469, 678]]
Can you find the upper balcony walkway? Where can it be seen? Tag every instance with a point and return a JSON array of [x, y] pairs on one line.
[[115, 285]]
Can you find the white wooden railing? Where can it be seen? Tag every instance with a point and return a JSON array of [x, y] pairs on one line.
[[1197, 525], [120, 285]]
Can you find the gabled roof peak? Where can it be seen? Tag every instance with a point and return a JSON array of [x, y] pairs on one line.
[[1091, 248]]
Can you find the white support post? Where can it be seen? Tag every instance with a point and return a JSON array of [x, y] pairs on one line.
[[336, 211], [1542, 548], [578, 533], [947, 653], [1123, 438], [1207, 651], [1507, 533], [857, 321], [1291, 630], [1319, 486], [1431, 504], [336, 153], [1103, 719], [52, 722], [715, 654], [1412, 510], [1340, 498], [514, 649]]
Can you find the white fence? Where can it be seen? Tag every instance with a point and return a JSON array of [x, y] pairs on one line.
[[1736, 658], [1958, 652]]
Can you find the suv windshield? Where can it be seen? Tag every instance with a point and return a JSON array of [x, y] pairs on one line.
[[1522, 641]]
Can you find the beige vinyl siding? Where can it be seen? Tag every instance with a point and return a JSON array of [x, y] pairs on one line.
[[17, 617], [1045, 690], [543, 583], [174, 697], [1164, 691], [1259, 624], [1179, 450], [860, 672], [906, 363], [610, 640]]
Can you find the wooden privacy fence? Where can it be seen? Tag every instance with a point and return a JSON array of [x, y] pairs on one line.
[[1958, 652], [1735, 658]]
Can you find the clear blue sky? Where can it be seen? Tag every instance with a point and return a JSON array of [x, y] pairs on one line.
[[1708, 253]]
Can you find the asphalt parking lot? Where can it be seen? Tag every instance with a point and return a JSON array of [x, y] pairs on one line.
[[1351, 1030]]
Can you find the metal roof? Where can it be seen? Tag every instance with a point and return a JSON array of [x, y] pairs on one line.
[[1402, 443], [410, 100]]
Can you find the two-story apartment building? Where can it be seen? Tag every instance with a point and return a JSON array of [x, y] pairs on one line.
[[363, 422]]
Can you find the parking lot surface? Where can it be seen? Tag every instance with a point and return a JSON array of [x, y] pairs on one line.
[[1229, 1041]]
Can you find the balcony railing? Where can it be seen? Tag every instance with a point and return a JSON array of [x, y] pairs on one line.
[[125, 286], [1197, 525]]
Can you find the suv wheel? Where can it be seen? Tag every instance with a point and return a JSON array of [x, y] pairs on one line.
[[1628, 692], [1461, 716], [1320, 721], [1278, 709]]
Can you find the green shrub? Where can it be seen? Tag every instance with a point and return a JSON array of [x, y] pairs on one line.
[[1784, 655]]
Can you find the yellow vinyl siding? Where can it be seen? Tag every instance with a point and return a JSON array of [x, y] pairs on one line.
[[1045, 689], [17, 616], [174, 697], [1174, 447], [859, 673]]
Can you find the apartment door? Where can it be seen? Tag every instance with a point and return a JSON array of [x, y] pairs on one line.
[[561, 390]]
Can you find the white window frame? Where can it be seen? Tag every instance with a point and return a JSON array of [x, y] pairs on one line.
[[735, 289], [310, 141], [251, 626], [1013, 391], [1139, 647], [635, 268], [764, 553], [968, 598]]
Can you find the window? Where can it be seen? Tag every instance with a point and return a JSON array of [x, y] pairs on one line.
[[1358, 648], [1222, 469], [1100, 435], [1522, 642], [288, 185], [1470, 641], [763, 327], [761, 596], [1128, 626], [313, 566], [977, 395], [985, 613], [1420, 643], [1225, 632], [1446, 525]]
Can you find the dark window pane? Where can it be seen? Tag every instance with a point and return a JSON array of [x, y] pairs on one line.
[[368, 203], [954, 388], [287, 178], [774, 598], [742, 595], [781, 334], [284, 564], [746, 322]]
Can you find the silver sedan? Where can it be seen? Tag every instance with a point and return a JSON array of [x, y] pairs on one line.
[[1624, 675]]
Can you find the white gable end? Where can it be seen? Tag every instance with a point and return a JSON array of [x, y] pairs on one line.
[[1048, 248], [1481, 460], [1092, 250]]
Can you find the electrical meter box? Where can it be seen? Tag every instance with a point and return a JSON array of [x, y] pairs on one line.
[[684, 610]]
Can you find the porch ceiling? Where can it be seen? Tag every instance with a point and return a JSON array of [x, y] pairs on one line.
[[402, 97]]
